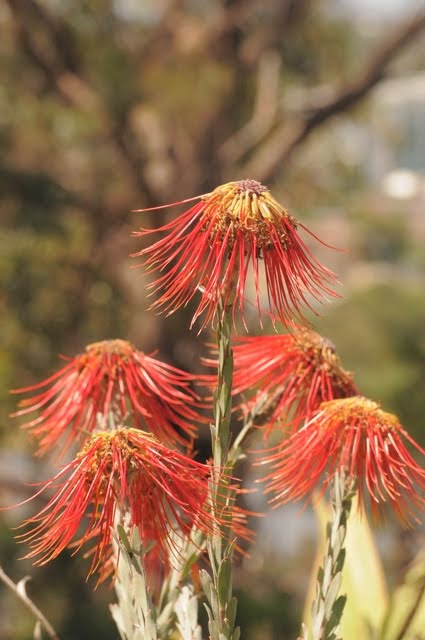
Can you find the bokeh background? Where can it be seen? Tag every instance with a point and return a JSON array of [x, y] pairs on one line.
[[107, 106]]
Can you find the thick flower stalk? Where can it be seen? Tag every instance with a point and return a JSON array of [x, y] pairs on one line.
[[161, 490], [218, 586], [111, 377], [290, 375], [134, 614], [354, 435], [211, 247]]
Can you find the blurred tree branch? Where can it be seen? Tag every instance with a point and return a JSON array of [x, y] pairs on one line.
[[63, 75], [262, 144], [291, 133], [201, 104], [264, 113]]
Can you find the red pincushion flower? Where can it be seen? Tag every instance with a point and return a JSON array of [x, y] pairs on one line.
[[356, 435], [297, 372], [124, 469], [210, 248], [111, 376]]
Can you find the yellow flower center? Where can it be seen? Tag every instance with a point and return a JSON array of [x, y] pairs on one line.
[[246, 207]]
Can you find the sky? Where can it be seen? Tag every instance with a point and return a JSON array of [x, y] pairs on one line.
[[383, 8], [362, 9]]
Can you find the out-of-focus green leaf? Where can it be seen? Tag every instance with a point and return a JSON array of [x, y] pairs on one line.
[[406, 611]]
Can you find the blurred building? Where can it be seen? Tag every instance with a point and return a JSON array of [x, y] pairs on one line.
[[397, 158]]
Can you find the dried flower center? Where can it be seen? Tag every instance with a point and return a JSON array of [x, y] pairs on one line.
[[362, 413], [112, 353], [110, 347], [248, 208], [321, 355], [251, 186], [108, 450]]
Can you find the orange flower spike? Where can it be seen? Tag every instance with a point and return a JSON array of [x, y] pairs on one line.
[[355, 434], [297, 371], [211, 246], [162, 489], [111, 376]]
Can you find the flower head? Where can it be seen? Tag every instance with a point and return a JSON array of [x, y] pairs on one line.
[[111, 377], [353, 434], [126, 469], [296, 372], [210, 247]]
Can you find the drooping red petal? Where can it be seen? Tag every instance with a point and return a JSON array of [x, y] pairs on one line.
[[210, 249], [112, 376]]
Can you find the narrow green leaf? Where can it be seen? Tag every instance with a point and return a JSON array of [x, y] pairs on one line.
[[341, 559], [332, 594], [338, 542], [236, 634], [124, 539], [214, 602], [228, 371], [209, 612], [207, 583], [144, 550], [213, 629], [407, 606], [231, 611], [224, 399], [224, 581], [337, 611], [318, 620]]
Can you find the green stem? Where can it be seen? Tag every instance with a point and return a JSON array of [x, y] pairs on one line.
[[257, 417], [329, 605], [223, 393], [221, 606]]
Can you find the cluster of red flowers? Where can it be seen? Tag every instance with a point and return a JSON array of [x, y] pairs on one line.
[[303, 389], [128, 410], [109, 398]]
